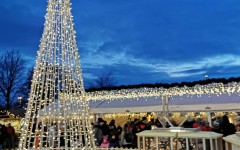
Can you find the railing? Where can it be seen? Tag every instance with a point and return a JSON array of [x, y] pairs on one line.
[[116, 149], [62, 148]]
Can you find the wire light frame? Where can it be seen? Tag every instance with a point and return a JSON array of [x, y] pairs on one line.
[[57, 115]]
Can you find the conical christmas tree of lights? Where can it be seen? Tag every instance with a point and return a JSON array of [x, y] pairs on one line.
[[57, 115]]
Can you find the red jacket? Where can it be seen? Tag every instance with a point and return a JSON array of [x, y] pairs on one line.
[[195, 125], [11, 131], [206, 128]]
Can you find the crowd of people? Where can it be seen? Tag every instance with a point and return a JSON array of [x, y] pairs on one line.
[[220, 125], [110, 135], [7, 137]]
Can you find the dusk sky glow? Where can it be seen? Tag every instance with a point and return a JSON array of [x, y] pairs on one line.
[[141, 41]]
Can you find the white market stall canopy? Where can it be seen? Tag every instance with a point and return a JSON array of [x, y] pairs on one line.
[[200, 98], [193, 103], [211, 97]]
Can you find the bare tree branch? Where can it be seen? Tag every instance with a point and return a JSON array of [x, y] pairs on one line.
[[105, 80], [12, 67], [26, 86]]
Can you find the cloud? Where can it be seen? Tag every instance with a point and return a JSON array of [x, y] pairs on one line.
[[162, 70], [163, 30], [21, 26], [142, 41]]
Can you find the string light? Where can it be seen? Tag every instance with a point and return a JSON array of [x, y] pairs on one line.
[[57, 99], [11, 115], [124, 94], [49, 116]]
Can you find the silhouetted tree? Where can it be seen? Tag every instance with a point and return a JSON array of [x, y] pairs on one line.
[[167, 85], [103, 80], [26, 86], [12, 67]]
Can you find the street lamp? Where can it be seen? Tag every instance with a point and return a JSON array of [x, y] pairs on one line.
[[20, 100], [206, 77]]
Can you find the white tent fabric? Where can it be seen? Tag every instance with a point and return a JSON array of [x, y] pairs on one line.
[[193, 103]]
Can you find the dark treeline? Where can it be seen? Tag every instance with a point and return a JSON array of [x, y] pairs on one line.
[[166, 85]]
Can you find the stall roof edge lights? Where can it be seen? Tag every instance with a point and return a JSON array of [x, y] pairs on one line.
[[213, 88]]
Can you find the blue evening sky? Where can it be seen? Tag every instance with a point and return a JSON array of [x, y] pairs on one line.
[[141, 41]]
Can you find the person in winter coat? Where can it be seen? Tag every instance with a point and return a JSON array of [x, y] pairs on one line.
[[1, 140], [119, 130], [206, 127], [226, 127], [11, 136], [98, 135], [112, 128], [144, 124], [4, 135], [136, 129], [114, 141], [152, 123], [126, 137], [105, 143], [105, 128]]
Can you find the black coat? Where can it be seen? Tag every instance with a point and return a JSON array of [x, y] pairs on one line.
[[227, 129]]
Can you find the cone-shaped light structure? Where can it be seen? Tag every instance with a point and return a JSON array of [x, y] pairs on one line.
[[57, 115]]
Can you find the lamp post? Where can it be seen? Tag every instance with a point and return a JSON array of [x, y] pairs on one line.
[[206, 77], [20, 100]]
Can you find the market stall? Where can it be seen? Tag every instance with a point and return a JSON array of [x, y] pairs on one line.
[[12, 116], [194, 103], [157, 139], [206, 106]]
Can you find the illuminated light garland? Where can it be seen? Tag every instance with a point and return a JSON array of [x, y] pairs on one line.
[[214, 88], [50, 117], [131, 115], [11, 115]]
